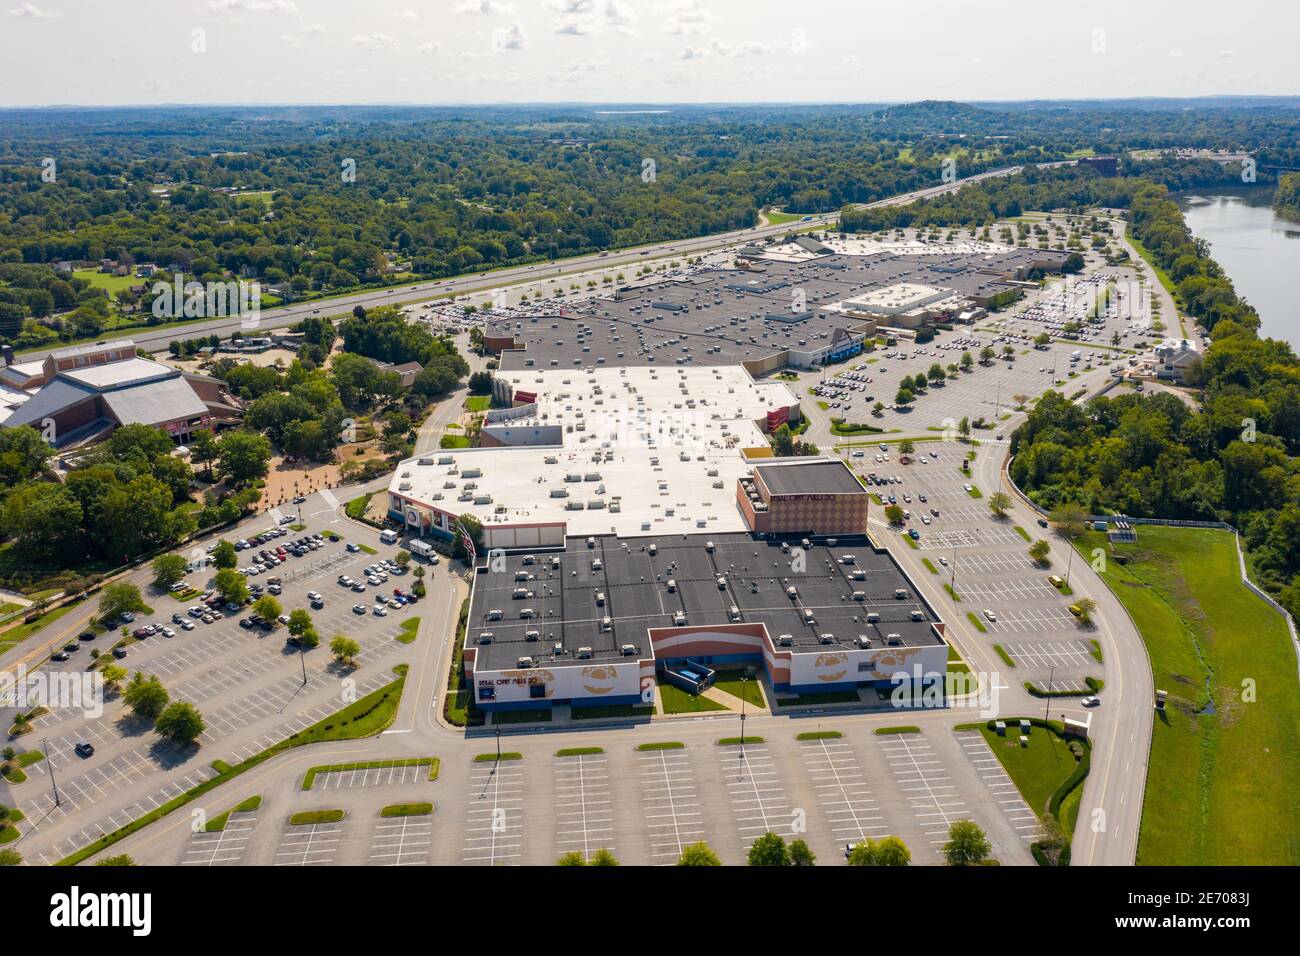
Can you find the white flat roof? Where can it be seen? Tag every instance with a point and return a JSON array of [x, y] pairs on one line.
[[639, 495], [707, 406], [665, 443], [119, 373]]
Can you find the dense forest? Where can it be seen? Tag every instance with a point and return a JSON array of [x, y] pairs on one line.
[[313, 201]]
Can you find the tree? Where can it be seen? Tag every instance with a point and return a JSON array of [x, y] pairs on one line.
[[474, 528], [967, 845], [698, 854], [1086, 606], [889, 851], [344, 649], [242, 457], [572, 858], [24, 453], [966, 361], [904, 397], [1041, 551], [204, 450], [120, 859], [10, 858], [269, 608], [168, 569], [1000, 503], [402, 558], [120, 598], [181, 723], [231, 585], [113, 676], [1070, 520], [801, 854], [225, 555], [769, 850], [146, 696], [299, 622], [906, 446], [986, 355], [894, 514], [601, 857]]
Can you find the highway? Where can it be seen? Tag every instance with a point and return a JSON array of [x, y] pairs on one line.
[[282, 317]]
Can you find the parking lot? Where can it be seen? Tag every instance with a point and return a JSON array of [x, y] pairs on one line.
[[584, 811], [401, 841], [315, 844], [493, 833], [247, 682], [671, 808], [226, 847]]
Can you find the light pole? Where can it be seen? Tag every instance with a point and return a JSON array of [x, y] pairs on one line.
[[54, 786], [1069, 562], [302, 659], [1047, 700], [743, 679]]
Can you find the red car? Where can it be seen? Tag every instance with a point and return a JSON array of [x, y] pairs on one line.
[[398, 592]]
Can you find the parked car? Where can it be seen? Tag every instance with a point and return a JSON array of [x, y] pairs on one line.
[[84, 749]]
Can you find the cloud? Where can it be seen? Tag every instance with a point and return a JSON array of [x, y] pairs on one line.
[[724, 49], [407, 14], [1227, 54], [485, 8], [620, 17], [510, 38], [291, 41], [431, 47], [375, 41], [689, 17], [252, 6], [30, 11], [1175, 54], [314, 28]]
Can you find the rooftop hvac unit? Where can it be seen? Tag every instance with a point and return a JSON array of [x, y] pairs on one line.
[[826, 638], [485, 637], [864, 640], [584, 653], [525, 662], [442, 460], [472, 473], [894, 640]]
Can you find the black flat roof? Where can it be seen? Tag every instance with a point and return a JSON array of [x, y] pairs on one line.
[[634, 582], [810, 478]]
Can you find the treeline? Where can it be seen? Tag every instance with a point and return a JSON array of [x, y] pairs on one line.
[[307, 411], [128, 496], [1287, 200], [1072, 189], [1153, 456]]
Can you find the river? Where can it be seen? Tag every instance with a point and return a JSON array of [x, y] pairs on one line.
[[1259, 251]]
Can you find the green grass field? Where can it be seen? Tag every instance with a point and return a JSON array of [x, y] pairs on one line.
[[1221, 785], [729, 682], [1037, 770], [478, 403], [677, 701]]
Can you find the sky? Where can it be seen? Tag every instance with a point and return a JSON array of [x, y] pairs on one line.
[[117, 52]]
